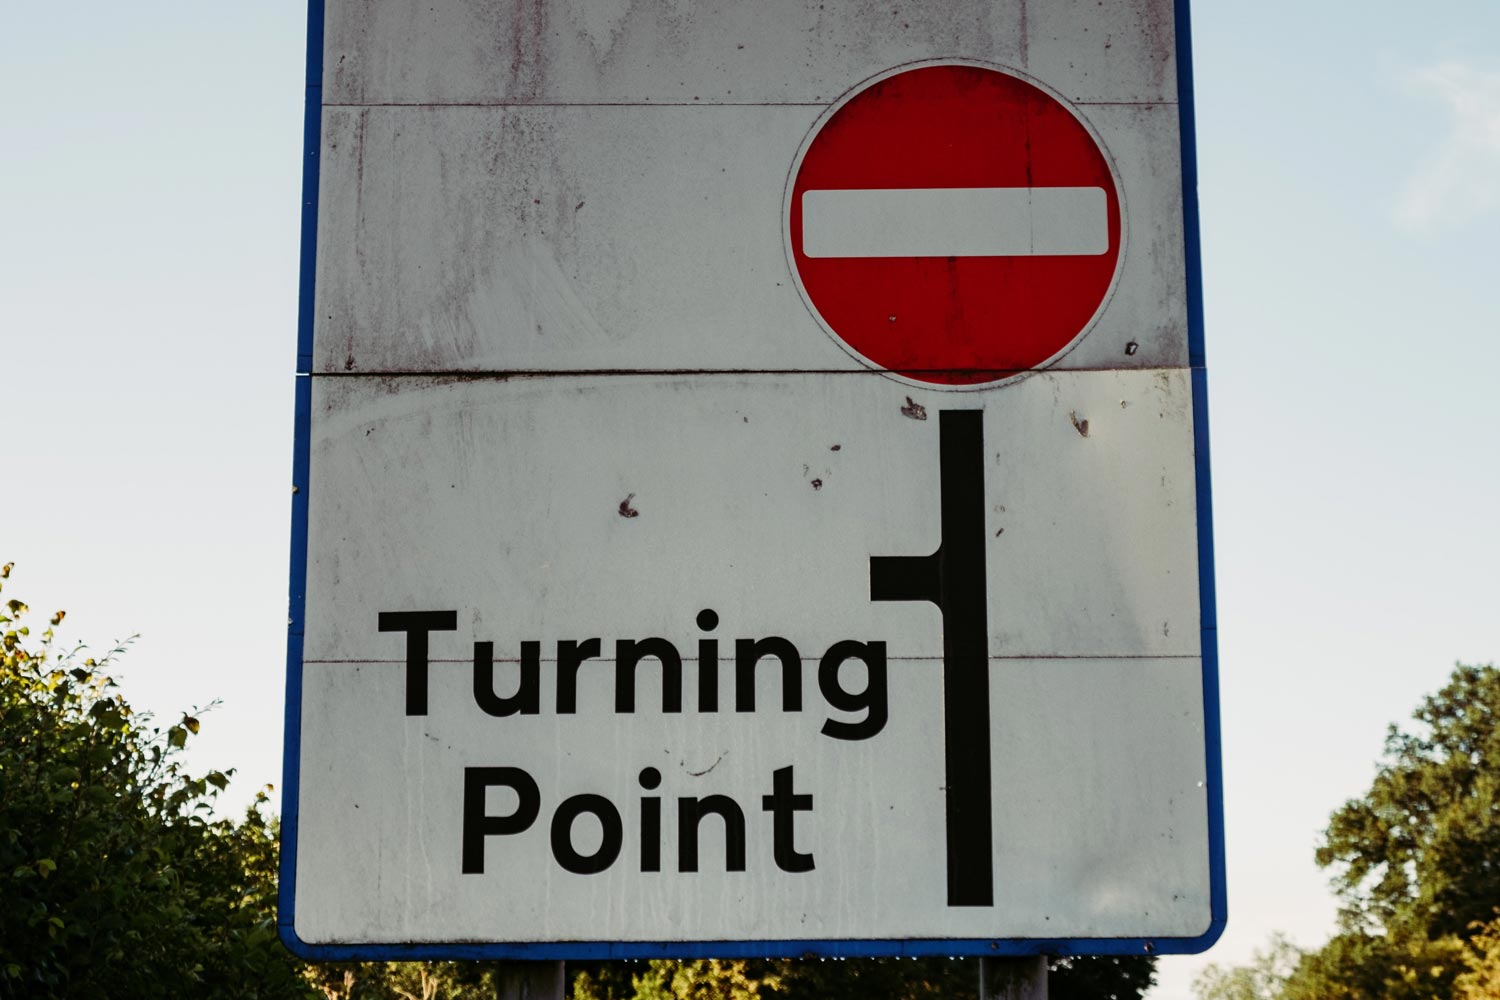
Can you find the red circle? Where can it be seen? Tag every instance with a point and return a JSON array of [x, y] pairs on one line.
[[954, 320]]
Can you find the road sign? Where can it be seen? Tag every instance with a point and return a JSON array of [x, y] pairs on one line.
[[954, 222], [751, 485]]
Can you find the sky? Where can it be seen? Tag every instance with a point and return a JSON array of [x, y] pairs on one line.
[[1349, 158]]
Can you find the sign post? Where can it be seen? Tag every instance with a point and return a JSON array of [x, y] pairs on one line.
[[751, 486], [1013, 978]]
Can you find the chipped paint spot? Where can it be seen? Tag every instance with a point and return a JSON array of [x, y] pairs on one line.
[[625, 509], [914, 410], [1081, 426]]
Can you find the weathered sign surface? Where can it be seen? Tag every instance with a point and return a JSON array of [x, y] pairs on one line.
[[751, 484]]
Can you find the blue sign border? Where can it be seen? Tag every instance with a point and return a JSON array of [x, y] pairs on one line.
[[594, 950]]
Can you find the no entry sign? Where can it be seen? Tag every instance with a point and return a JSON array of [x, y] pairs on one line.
[[955, 223], [751, 485]]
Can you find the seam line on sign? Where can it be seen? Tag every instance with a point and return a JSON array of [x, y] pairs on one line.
[[667, 104], [893, 659], [579, 104], [445, 373]]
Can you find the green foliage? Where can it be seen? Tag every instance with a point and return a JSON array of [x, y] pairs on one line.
[[1420, 851], [1416, 864], [407, 980], [1480, 979], [1263, 979], [1357, 966], [887, 978], [1101, 977], [1096, 978], [709, 979], [115, 880]]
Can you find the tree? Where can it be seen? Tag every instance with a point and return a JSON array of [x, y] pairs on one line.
[[1420, 851], [1416, 863], [408, 980], [1263, 979], [1102, 977], [709, 979], [1480, 979], [1359, 966], [1079, 978], [115, 879]]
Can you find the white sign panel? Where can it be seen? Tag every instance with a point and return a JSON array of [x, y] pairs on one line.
[[751, 485]]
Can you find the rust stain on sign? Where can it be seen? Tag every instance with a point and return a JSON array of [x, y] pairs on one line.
[[625, 509]]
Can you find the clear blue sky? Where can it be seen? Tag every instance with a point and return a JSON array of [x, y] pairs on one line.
[[1350, 161]]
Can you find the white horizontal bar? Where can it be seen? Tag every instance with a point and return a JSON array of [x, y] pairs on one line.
[[955, 222]]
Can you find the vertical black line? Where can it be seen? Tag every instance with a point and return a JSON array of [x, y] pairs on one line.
[[966, 678], [953, 578]]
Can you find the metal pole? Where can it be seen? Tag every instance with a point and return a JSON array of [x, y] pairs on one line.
[[531, 981], [1013, 978]]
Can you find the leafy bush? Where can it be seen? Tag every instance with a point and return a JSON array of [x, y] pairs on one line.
[[115, 878]]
